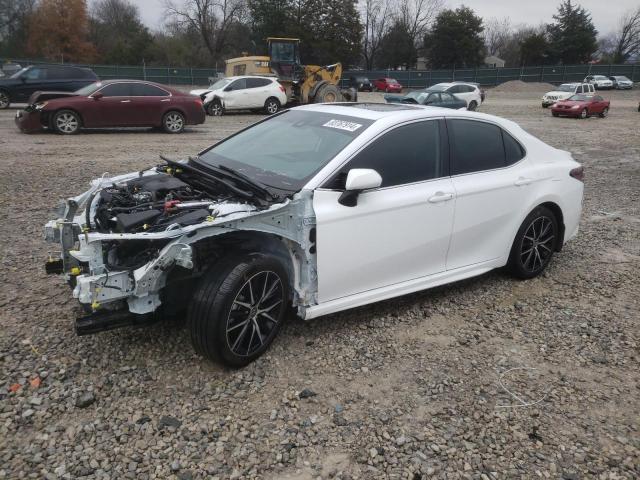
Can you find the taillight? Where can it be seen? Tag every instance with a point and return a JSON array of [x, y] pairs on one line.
[[282, 89], [198, 102], [578, 173]]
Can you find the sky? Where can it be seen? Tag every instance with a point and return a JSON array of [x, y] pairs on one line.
[[605, 13]]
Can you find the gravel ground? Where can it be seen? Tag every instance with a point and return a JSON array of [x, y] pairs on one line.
[[406, 388]]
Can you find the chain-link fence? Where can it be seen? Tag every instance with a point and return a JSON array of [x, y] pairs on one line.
[[408, 78]]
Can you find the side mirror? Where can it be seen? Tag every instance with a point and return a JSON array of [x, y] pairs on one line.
[[228, 89], [358, 179], [97, 95]]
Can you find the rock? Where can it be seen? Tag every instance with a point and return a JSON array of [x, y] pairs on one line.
[[85, 399], [306, 393], [27, 413], [175, 466], [167, 421], [401, 440], [338, 408], [35, 400], [373, 452]]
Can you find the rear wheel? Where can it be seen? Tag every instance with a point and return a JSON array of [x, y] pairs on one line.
[[173, 122], [604, 112], [328, 94], [472, 105], [215, 108], [584, 113], [238, 309], [4, 100], [66, 122], [271, 106], [534, 244]]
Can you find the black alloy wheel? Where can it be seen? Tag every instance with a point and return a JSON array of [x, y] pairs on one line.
[[534, 244]]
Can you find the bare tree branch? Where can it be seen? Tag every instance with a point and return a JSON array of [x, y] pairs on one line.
[[496, 34], [627, 38]]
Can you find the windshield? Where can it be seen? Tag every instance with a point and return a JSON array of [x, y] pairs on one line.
[[624, 79], [391, 80], [286, 150], [441, 87], [600, 77], [567, 88], [578, 98], [419, 97], [19, 73], [219, 84], [89, 89]]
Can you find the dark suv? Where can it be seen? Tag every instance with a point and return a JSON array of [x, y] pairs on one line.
[[62, 78], [361, 84]]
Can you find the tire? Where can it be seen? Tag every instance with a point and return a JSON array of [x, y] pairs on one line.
[[555, 114], [66, 122], [584, 113], [223, 319], [604, 112], [215, 109], [472, 106], [4, 100], [534, 244], [173, 122], [544, 105], [271, 105], [328, 94]]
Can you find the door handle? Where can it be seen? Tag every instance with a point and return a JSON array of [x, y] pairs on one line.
[[522, 181], [440, 197], [165, 100], [125, 101]]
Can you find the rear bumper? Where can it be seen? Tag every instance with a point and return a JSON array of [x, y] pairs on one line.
[[28, 122]]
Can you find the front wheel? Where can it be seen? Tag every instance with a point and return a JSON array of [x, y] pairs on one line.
[[215, 108], [584, 113], [534, 244], [173, 122], [238, 309], [271, 106], [66, 122], [604, 112]]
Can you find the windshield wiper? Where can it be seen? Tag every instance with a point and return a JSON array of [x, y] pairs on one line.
[[235, 175]]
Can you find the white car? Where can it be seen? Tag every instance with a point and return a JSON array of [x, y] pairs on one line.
[[319, 208], [469, 92], [565, 91], [599, 81], [243, 93]]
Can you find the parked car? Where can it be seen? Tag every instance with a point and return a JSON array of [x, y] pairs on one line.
[[243, 93], [475, 84], [599, 81], [432, 98], [581, 106], [621, 82], [565, 91], [468, 92], [306, 210], [389, 85], [63, 78], [362, 84], [112, 103]]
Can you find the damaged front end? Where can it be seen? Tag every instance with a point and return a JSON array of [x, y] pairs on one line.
[[134, 242]]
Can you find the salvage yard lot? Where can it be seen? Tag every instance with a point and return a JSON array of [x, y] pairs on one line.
[[406, 388]]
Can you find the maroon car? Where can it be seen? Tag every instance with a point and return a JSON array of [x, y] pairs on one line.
[[581, 106], [389, 85], [112, 103]]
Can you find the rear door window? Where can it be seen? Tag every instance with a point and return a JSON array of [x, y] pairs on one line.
[[146, 90], [35, 74], [257, 82], [475, 146], [239, 84]]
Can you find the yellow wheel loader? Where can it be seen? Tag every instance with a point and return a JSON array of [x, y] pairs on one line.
[[303, 83]]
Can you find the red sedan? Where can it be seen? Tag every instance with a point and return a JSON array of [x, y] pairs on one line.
[[389, 85], [581, 106], [113, 103]]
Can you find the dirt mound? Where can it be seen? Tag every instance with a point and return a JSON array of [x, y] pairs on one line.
[[520, 86]]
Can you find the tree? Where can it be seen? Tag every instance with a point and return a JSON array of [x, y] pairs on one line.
[[627, 39], [456, 39], [118, 33], [533, 49], [397, 48], [58, 30], [496, 35], [212, 19], [376, 15], [14, 15], [417, 16], [572, 36]]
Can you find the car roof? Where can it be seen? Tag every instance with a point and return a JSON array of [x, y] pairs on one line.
[[238, 77]]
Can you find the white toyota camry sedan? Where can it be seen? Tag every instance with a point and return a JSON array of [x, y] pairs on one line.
[[320, 208]]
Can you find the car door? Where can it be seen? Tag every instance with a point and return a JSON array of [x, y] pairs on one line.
[[32, 80], [395, 233], [492, 181], [114, 108], [256, 92], [433, 100], [148, 103], [449, 101], [598, 104], [235, 94]]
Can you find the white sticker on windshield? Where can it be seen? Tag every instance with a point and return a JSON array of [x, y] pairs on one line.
[[342, 125]]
